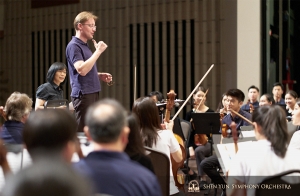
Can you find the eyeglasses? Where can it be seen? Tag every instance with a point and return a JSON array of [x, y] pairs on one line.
[[91, 25]]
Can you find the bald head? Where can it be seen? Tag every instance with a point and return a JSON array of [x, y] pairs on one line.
[[105, 120]]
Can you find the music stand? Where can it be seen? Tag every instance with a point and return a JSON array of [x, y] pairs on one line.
[[207, 123]]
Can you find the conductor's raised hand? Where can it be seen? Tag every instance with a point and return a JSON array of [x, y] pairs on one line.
[[100, 46]]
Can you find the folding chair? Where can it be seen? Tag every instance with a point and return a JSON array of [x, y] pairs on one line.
[[161, 166], [292, 183]]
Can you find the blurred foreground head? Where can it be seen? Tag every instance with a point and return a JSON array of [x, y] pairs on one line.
[[46, 178], [50, 132]]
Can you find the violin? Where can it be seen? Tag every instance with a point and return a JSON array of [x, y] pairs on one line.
[[199, 139], [175, 165], [250, 106]]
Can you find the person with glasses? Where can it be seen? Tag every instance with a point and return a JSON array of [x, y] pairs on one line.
[[84, 76], [16, 111], [52, 89]]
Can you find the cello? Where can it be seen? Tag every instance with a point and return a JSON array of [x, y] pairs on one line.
[[175, 165]]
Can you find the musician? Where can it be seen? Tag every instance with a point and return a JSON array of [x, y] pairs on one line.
[[135, 148], [266, 99], [265, 157], [290, 101], [15, 112], [253, 94], [235, 98], [277, 93], [156, 96], [295, 140], [108, 167], [156, 138], [202, 150], [52, 89], [222, 107]]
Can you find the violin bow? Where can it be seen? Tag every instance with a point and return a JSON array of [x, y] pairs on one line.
[[242, 117], [134, 91], [201, 100], [192, 92]]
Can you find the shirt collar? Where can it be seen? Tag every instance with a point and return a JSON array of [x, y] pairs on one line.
[[79, 41]]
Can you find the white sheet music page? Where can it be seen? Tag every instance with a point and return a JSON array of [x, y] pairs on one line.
[[227, 152], [15, 162], [248, 133]]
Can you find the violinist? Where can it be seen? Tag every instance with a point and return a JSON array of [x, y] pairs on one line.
[[266, 99], [203, 149], [252, 104], [235, 98], [155, 137], [156, 96], [265, 157], [222, 107]]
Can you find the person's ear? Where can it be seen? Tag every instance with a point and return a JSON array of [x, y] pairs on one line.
[[257, 128], [87, 133], [125, 134]]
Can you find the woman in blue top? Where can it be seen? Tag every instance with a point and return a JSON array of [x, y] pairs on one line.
[[52, 89]]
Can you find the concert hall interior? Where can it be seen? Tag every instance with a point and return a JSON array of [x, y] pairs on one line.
[[159, 46]]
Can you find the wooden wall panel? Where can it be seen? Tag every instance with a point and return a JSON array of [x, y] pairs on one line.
[[173, 45]]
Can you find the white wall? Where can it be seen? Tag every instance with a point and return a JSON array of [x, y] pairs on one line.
[[248, 44]]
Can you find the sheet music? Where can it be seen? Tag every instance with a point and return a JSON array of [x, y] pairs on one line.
[[16, 162], [248, 133], [227, 152]]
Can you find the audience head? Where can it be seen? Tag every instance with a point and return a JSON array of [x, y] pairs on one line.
[[106, 123], [57, 74], [266, 99], [135, 144], [291, 99], [270, 123], [18, 107], [50, 132], [199, 95], [277, 90], [296, 114], [83, 17], [147, 113], [46, 178], [253, 93], [235, 98], [156, 96]]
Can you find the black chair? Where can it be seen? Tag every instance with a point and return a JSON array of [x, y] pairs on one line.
[[52, 104], [161, 166], [290, 184]]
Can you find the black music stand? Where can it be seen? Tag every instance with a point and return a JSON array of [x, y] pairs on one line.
[[207, 123]]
